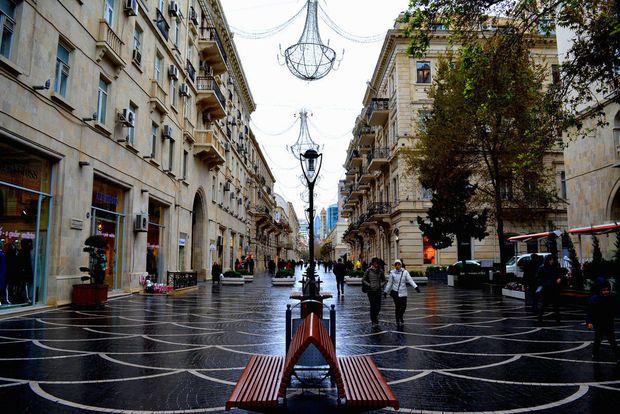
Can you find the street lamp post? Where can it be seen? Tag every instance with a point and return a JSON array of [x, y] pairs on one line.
[[311, 165]]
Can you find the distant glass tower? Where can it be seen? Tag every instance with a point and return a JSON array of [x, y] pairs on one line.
[[332, 217], [317, 227]]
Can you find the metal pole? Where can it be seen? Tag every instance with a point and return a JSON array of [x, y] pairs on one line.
[[312, 286], [288, 327]]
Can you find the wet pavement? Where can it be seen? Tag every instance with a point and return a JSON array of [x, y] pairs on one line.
[[461, 350]]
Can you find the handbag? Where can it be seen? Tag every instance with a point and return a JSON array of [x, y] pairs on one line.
[[365, 288]]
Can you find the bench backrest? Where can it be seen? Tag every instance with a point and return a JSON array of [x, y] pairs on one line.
[[311, 331]]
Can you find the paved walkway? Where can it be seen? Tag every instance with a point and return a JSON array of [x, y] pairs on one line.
[[460, 351]]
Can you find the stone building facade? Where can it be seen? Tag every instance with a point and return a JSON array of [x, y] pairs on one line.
[[382, 200], [128, 119]]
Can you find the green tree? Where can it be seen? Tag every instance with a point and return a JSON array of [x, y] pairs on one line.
[[591, 66], [597, 256], [492, 123]]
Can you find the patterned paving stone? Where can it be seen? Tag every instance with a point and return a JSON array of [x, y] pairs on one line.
[[461, 351]]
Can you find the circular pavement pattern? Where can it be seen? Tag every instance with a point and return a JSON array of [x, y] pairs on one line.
[[461, 351]]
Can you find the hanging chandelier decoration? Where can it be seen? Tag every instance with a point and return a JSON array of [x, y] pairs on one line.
[[304, 140], [309, 59]]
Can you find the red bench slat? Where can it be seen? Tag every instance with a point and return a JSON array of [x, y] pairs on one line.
[[259, 383], [365, 386]]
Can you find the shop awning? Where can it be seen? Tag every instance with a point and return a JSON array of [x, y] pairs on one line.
[[600, 229], [535, 236]]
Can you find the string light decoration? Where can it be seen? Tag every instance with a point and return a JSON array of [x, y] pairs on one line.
[[309, 59]]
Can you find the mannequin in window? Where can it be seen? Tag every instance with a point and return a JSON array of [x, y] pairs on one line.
[[3, 290], [24, 270], [11, 271]]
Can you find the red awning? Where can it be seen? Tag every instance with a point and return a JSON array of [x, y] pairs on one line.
[[600, 229], [526, 237]]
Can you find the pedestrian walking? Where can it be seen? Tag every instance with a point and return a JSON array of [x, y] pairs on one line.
[[600, 317], [216, 271], [550, 280], [372, 283], [340, 271], [396, 287], [271, 266]]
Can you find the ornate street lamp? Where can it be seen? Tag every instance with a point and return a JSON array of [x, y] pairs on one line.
[[311, 162]]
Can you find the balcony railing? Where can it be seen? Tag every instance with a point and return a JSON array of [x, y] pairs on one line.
[[378, 153], [378, 111], [208, 83], [191, 71], [210, 33], [110, 43], [379, 209], [162, 24]]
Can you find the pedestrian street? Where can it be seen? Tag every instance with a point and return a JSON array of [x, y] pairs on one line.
[[461, 350]]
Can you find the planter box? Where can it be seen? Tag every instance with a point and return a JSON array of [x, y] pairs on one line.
[[232, 280], [517, 294], [352, 280], [283, 281], [89, 296], [452, 280], [420, 280], [248, 278]]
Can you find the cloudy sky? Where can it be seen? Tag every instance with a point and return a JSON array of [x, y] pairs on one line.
[[333, 101]]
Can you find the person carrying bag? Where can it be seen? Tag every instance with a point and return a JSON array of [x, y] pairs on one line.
[[396, 287], [372, 283]]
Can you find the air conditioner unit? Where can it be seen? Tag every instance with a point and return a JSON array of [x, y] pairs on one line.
[[126, 117], [142, 222], [137, 56], [173, 72], [226, 146], [226, 186], [173, 9], [131, 7], [167, 132], [184, 90]]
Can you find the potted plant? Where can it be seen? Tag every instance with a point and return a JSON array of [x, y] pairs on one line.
[[284, 278], [95, 293], [231, 277]]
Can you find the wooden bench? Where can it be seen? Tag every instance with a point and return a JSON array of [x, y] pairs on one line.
[[259, 385], [265, 379], [364, 386]]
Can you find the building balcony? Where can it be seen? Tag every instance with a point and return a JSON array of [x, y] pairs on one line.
[[367, 135], [210, 97], [109, 44], [379, 111], [366, 177], [377, 158], [158, 97], [212, 49], [379, 211], [209, 149], [188, 130], [355, 159]]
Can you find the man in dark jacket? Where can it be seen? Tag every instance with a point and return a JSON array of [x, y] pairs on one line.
[[550, 279], [600, 316], [373, 282], [216, 271], [340, 271]]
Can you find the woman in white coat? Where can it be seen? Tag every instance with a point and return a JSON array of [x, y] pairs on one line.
[[396, 287]]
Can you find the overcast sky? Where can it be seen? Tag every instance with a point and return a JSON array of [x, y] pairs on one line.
[[334, 101]]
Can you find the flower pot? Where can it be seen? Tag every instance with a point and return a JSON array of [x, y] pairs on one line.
[[89, 296]]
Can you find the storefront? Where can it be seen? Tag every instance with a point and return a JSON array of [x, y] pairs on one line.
[[25, 202], [155, 241], [107, 211]]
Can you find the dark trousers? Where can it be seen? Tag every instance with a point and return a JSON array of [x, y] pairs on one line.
[[340, 284], [374, 297], [400, 305], [601, 331], [550, 299]]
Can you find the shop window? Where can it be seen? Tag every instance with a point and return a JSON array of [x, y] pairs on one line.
[[7, 27], [154, 241], [430, 253], [423, 69]]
